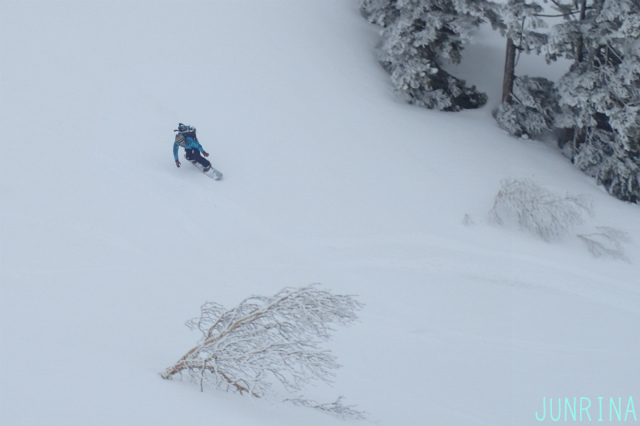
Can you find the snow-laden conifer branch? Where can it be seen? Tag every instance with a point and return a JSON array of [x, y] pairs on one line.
[[265, 338], [418, 39]]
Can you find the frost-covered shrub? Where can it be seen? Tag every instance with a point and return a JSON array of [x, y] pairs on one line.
[[532, 109], [538, 210], [265, 340], [551, 216]]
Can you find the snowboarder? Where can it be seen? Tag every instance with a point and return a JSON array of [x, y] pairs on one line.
[[187, 139]]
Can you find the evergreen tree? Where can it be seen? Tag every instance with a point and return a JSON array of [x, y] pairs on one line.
[[600, 95], [418, 38], [529, 104], [520, 25]]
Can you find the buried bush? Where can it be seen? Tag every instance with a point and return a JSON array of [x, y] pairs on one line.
[[538, 210]]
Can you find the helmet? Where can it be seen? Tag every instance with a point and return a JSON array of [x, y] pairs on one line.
[[185, 128], [180, 139]]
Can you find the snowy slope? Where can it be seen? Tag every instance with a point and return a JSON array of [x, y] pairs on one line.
[[107, 248]]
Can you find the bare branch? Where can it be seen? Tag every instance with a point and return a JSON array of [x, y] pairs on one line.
[[607, 242], [337, 408], [561, 15]]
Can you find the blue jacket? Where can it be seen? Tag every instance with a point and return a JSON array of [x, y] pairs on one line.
[[189, 143]]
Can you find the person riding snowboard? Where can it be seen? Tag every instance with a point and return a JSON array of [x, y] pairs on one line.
[[187, 139]]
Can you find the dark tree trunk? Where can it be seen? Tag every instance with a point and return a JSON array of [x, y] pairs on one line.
[[580, 42], [509, 71]]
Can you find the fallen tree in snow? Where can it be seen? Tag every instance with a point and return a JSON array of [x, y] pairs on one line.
[[265, 340]]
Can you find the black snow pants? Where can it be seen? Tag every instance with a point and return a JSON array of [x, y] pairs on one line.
[[194, 155]]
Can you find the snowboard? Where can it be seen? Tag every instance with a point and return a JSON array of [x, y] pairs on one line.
[[213, 173]]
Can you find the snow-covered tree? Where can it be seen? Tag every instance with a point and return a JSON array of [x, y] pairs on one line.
[[529, 104], [419, 37], [265, 340], [520, 23], [600, 95]]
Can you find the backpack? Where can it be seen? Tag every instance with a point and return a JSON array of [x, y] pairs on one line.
[[186, 131]]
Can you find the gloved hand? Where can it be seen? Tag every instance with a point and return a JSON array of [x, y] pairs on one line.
[[177, 163], [206, 154]]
